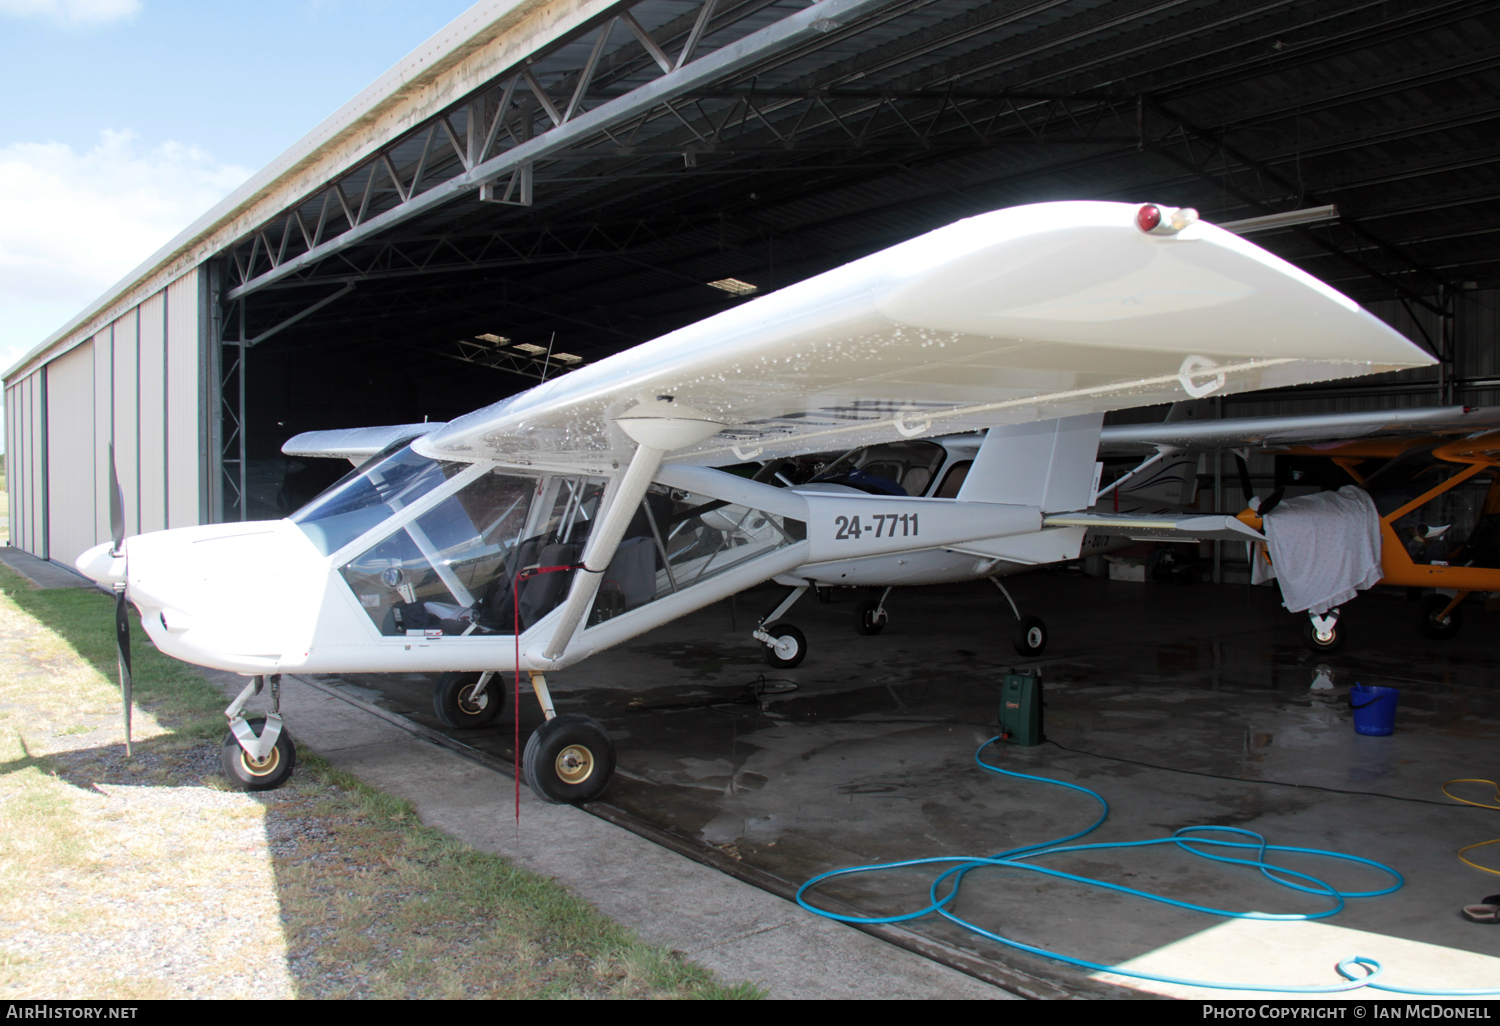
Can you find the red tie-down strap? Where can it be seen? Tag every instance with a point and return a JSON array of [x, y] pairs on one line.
[[515, 605]]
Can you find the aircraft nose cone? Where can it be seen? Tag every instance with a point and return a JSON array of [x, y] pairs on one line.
[[100, 564]]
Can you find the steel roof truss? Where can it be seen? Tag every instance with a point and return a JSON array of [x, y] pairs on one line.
[[690, 72]]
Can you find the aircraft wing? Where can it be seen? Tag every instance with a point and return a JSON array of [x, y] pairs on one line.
[[1017, 315], [1268, 432], [1142, 527], [354, 444]]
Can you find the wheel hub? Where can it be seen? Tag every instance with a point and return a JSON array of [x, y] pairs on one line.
[[786, 647], [1034, 637], [471, 705], [574, 764], [261, 767]]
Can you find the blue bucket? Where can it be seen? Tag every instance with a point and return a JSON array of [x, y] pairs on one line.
[[1374, 710]]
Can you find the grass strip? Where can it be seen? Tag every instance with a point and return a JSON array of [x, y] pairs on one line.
[[148, 878]]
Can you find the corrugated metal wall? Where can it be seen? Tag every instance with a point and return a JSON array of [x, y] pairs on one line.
[[137, 383], [70, 451], [26, 461]]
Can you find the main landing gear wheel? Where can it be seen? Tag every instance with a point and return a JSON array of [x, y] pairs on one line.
[[454, 701], [866, 618], [788, 646], [1031, 639], [247, 774], [569, 760], [1335, 641], [1432, 623]]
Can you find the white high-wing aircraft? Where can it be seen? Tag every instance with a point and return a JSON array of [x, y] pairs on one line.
[[578, 514], [1136, 506]]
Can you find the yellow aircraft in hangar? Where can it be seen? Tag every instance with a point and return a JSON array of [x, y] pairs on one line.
[[1432, 485], [484, 546]]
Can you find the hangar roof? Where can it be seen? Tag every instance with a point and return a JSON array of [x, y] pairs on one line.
[[602, 187], [487, 38]]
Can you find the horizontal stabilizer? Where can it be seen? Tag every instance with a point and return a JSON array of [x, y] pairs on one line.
[[1215, 527]]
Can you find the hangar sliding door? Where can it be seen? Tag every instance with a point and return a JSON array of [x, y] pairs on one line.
[[137, 385], [71, 499], [26, 461]]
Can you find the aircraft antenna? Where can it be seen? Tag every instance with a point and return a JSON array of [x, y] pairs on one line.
[[547, 360]]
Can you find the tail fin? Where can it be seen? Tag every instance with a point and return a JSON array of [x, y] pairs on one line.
[[1047, 463], [1173, 481]]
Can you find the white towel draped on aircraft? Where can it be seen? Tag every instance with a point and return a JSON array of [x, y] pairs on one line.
[[1324, 548]]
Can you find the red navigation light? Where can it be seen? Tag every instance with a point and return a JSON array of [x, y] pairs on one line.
[[1148, 217]]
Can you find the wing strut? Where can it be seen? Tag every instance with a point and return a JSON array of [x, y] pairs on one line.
[[1162, 452], [657, 427]]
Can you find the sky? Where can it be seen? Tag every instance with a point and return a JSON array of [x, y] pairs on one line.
[[124, 120]]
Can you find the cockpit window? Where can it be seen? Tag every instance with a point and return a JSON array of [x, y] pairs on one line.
[[1409, 475], [679, 539], [387, 484], [895, 468], [454, 570]]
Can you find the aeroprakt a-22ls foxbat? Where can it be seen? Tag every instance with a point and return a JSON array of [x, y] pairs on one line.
[[561, 521]]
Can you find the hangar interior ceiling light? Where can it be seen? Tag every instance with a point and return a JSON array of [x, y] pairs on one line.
[[527, 347], [735, 286], [1285, 219], [497, 339]]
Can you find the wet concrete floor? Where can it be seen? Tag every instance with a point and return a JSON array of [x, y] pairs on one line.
[[1181, 705]]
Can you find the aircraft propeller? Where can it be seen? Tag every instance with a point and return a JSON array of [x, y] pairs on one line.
[[1265, 505], [122, 615]]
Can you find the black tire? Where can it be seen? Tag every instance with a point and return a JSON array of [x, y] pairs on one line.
[[1428, 623], [1310, 637], [865, 621], [1031, 637], [246, 775], [569, 760], [452, 702], [791, 641]]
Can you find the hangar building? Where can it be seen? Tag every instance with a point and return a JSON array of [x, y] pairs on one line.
[[546, 182]]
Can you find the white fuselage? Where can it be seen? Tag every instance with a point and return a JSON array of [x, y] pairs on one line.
[[1174, 480]]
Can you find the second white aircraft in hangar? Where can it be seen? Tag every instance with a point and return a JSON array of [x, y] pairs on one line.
[[554, 524]]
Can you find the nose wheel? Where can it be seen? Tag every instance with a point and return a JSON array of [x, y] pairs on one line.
[[1031, 637], [1031, 633], [569, 760], [783, 645], [1324, 633], [463, 700], [257, 753], [870, 618], [246, 772], [1438, 616], [787, 646]]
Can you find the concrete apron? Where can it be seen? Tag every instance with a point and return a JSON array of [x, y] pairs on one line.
[[739, 931], [871, 760]]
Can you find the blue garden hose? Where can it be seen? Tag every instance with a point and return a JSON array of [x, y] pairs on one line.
[[1358, 971]]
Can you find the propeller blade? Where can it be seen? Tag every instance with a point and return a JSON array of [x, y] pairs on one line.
[[122, 615], [116, 503], [1272, 502], [1245, 477], [122, 643]]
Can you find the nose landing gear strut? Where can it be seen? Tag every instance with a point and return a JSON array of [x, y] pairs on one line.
[[257, 754]]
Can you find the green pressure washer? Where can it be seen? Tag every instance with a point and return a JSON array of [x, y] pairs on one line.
[[1021, 708]]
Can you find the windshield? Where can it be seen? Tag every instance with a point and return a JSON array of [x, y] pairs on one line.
[[383, 486], [456, 569], [1413, 473], [895, 468]]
